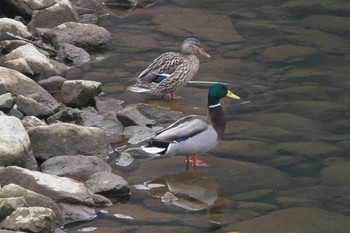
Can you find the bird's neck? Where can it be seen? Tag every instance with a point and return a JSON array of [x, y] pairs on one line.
[[217, 118]]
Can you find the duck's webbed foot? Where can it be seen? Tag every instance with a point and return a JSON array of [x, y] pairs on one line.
[[196, 162]]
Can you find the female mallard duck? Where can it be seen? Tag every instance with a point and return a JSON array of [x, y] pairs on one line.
[[194, 134], [170, 70]]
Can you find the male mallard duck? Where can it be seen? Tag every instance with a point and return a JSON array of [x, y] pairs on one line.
[[194, 134], [170, 70]]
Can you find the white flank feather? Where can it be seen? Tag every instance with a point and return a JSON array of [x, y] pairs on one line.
[[138, 89], [152, 150]]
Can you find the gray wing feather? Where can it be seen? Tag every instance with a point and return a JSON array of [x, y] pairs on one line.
[[186, 127]]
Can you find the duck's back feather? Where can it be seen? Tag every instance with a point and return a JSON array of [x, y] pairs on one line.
[[165, 63]]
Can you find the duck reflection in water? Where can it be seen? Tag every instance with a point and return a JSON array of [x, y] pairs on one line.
[[190, 191]]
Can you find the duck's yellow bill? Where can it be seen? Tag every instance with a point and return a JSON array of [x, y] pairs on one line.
[[231, 95]]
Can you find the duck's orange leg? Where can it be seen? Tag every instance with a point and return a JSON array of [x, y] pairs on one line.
[[173, 95]]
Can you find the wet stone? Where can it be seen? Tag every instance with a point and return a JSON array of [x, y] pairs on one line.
[[287, 53], [78, 167], [309, 149], [246, 150], [291, 220]]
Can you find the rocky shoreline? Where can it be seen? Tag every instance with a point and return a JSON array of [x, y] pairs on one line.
[[55, 133]]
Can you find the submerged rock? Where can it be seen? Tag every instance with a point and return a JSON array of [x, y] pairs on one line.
[[291, 220], [107, 183]]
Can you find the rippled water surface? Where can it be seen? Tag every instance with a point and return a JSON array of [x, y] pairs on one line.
[[284, 163]]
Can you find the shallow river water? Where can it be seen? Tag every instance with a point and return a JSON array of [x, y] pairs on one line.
[[283, 165]]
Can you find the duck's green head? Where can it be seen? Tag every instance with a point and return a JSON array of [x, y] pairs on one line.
[[218, 91]]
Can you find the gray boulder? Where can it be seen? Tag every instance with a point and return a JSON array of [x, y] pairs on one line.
[[78, 34], [130, 115], [80, 92], [8, 205], [31, 219], [41, 66], [31, 199], [16, 83], [53, 84], [6, 102], [107, 184], [108, 122], [78, 167], [13, 26], [15, 148], [159, 114], [72, 55], [9, 45], [30, 107], [59, 13], [67, 139], [31, 121], [64, 191], [106, 105], [25, 8]]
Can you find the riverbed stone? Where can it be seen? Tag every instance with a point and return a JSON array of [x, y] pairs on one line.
[[30, 107], [12, 26], [59, 189], [9, 45], [77, 213], [320, 40], [32, 219], [287, 53], [52, 84], [246, 149], [19, 84], [107, 184], [78, 34], [328, 23], [20, 65], [15, 147], [130, 115], [78, 167], [315, 150], [25, 8], [336, 174], [312, 7], [244, 129], [159, 114], [137, 134], [58, 13], [291, 220], [8, 205], [31, 121], [108, 122], [72, 55], [193, 21], [41, 66], [67, 139], [31, 199], [6, 102], [106, 105], [80, 92]]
